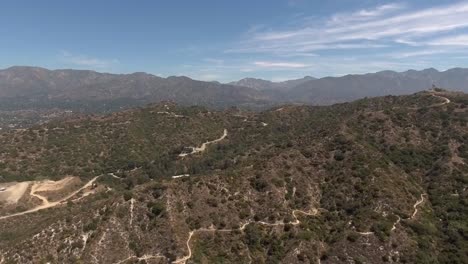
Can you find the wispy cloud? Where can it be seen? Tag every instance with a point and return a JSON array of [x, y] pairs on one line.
[[365, 14], [395, 36], [379, 27], [86, 61], [402, 55], [460, 40]]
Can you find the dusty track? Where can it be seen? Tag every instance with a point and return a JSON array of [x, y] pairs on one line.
[[144, 257], [415, 206], [204, 145], [415, 212], [446, 100]]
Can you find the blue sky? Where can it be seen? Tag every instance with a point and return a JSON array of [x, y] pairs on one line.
[[229, 40]]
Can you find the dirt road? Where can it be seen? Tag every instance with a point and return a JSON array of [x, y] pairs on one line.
[[204, 145], [446, 100]]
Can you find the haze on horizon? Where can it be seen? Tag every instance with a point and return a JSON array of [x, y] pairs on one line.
[[226, 41]]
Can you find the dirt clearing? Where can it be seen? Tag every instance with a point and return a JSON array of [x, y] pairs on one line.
[[14, 191]]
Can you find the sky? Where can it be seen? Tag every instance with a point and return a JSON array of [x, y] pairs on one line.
[[228, 40]]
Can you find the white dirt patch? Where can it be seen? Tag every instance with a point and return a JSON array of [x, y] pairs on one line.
[[45, 202], [13, 192], [46, 186]]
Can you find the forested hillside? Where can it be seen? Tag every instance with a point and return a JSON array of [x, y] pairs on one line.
[[380, 180]]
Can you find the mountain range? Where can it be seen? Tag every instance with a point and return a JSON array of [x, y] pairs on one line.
[[33, 87], [38, 87], [331, 90]]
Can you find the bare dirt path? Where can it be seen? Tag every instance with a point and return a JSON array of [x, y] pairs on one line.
[[144, 257], [45, 202], [132, 205], [171, 114], [33, 191], [204, 145], [396, 223], [432, 93], [415, 206], [296, 221], [446, 100], [415, 212], [180, 176]]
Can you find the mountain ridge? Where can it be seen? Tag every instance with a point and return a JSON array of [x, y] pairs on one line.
[[52, 86], [24, 87]]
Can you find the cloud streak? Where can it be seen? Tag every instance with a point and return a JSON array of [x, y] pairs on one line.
[[380, 27], [395, 36]]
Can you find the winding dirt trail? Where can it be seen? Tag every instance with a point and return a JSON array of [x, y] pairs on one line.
[[204, 145], [394, 226], [433, 94], [144, 257], [415, 206], [296, 221], [45, 202], [420, 201], [446, 100]]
